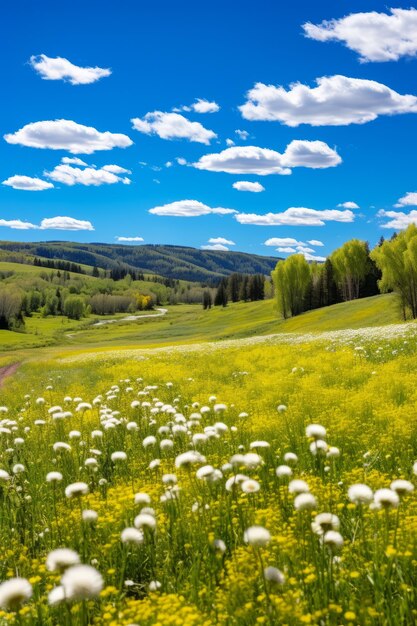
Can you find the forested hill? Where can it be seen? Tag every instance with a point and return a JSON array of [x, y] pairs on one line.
[[169, 261]]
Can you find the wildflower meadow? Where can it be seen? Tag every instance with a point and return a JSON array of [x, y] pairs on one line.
[[248, 484]]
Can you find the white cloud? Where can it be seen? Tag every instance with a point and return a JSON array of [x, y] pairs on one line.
[[313, 154], [282, 242], [244, 185], [67, 135], [216, 246], [17, 224], [398, 219], [61, 69], [230, 142], [65, 223], [305, 250], [115, 169], [204, 106], [349, 205], [315, 243], [263, 161], [312, 257], [172, 126], [410, 199], [27, 183], [296, 216], [51, 223], [374, 36], [336, 101], [73, 161], [181, 161], [129, 239], [287, 250], [188, 208], [168, 164], [242, 134], [222, 241], [88, 176]]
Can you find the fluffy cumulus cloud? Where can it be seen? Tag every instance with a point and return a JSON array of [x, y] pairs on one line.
[[374, 36], [283, 242], [313, 257], [263, 161], [129, 239], [397, 219], [316, 243], [245, 185], [410, 199], [219, 247], [17, 224], [73, 161], [286, 250], [221, 241], [242, 134], [88, 176], [296, 216], [335, 101], [65, 223], [67, 135], [349, 205], [50, 223], [172, 126], [204, 106], [26, 183], [61, 69], [188, 208]]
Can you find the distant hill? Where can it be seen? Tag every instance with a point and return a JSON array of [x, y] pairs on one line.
[[169, 261]]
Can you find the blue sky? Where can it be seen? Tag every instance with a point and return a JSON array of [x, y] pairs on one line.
[[166, 57]]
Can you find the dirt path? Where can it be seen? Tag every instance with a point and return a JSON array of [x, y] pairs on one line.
[[6, 371]]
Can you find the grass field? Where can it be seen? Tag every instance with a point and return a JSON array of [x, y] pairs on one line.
[[219, 533], [190, 323]]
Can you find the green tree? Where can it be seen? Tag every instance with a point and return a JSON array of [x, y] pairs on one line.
[[350, 266], [397, 260], [291, 280], [74, 307]]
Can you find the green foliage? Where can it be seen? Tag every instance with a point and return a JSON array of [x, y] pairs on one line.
[[350, 263], [169, 261], [291, 279], [74, 307], [397, 260]]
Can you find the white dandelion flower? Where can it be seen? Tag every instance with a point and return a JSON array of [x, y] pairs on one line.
[[144, 520], [274, 575], [305, 502], [298, 486], [54, 477], [316, 431], [360, 494], [386, 498], [82, 582], [14, 592], [89, 516], [333, 539], [132, 535], [60, 559], [250, 486], [142, 498], [324, 522], [402, 487], [283, 471], [257, 536], [75, 490], [118, 456]]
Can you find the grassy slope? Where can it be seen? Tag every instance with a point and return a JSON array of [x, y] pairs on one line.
[[189, 323]]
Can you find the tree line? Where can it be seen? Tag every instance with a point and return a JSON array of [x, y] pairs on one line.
[[350, 272], [235, 288]]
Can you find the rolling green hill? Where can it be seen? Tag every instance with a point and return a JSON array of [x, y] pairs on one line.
[[185, 324], [169, 261]]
